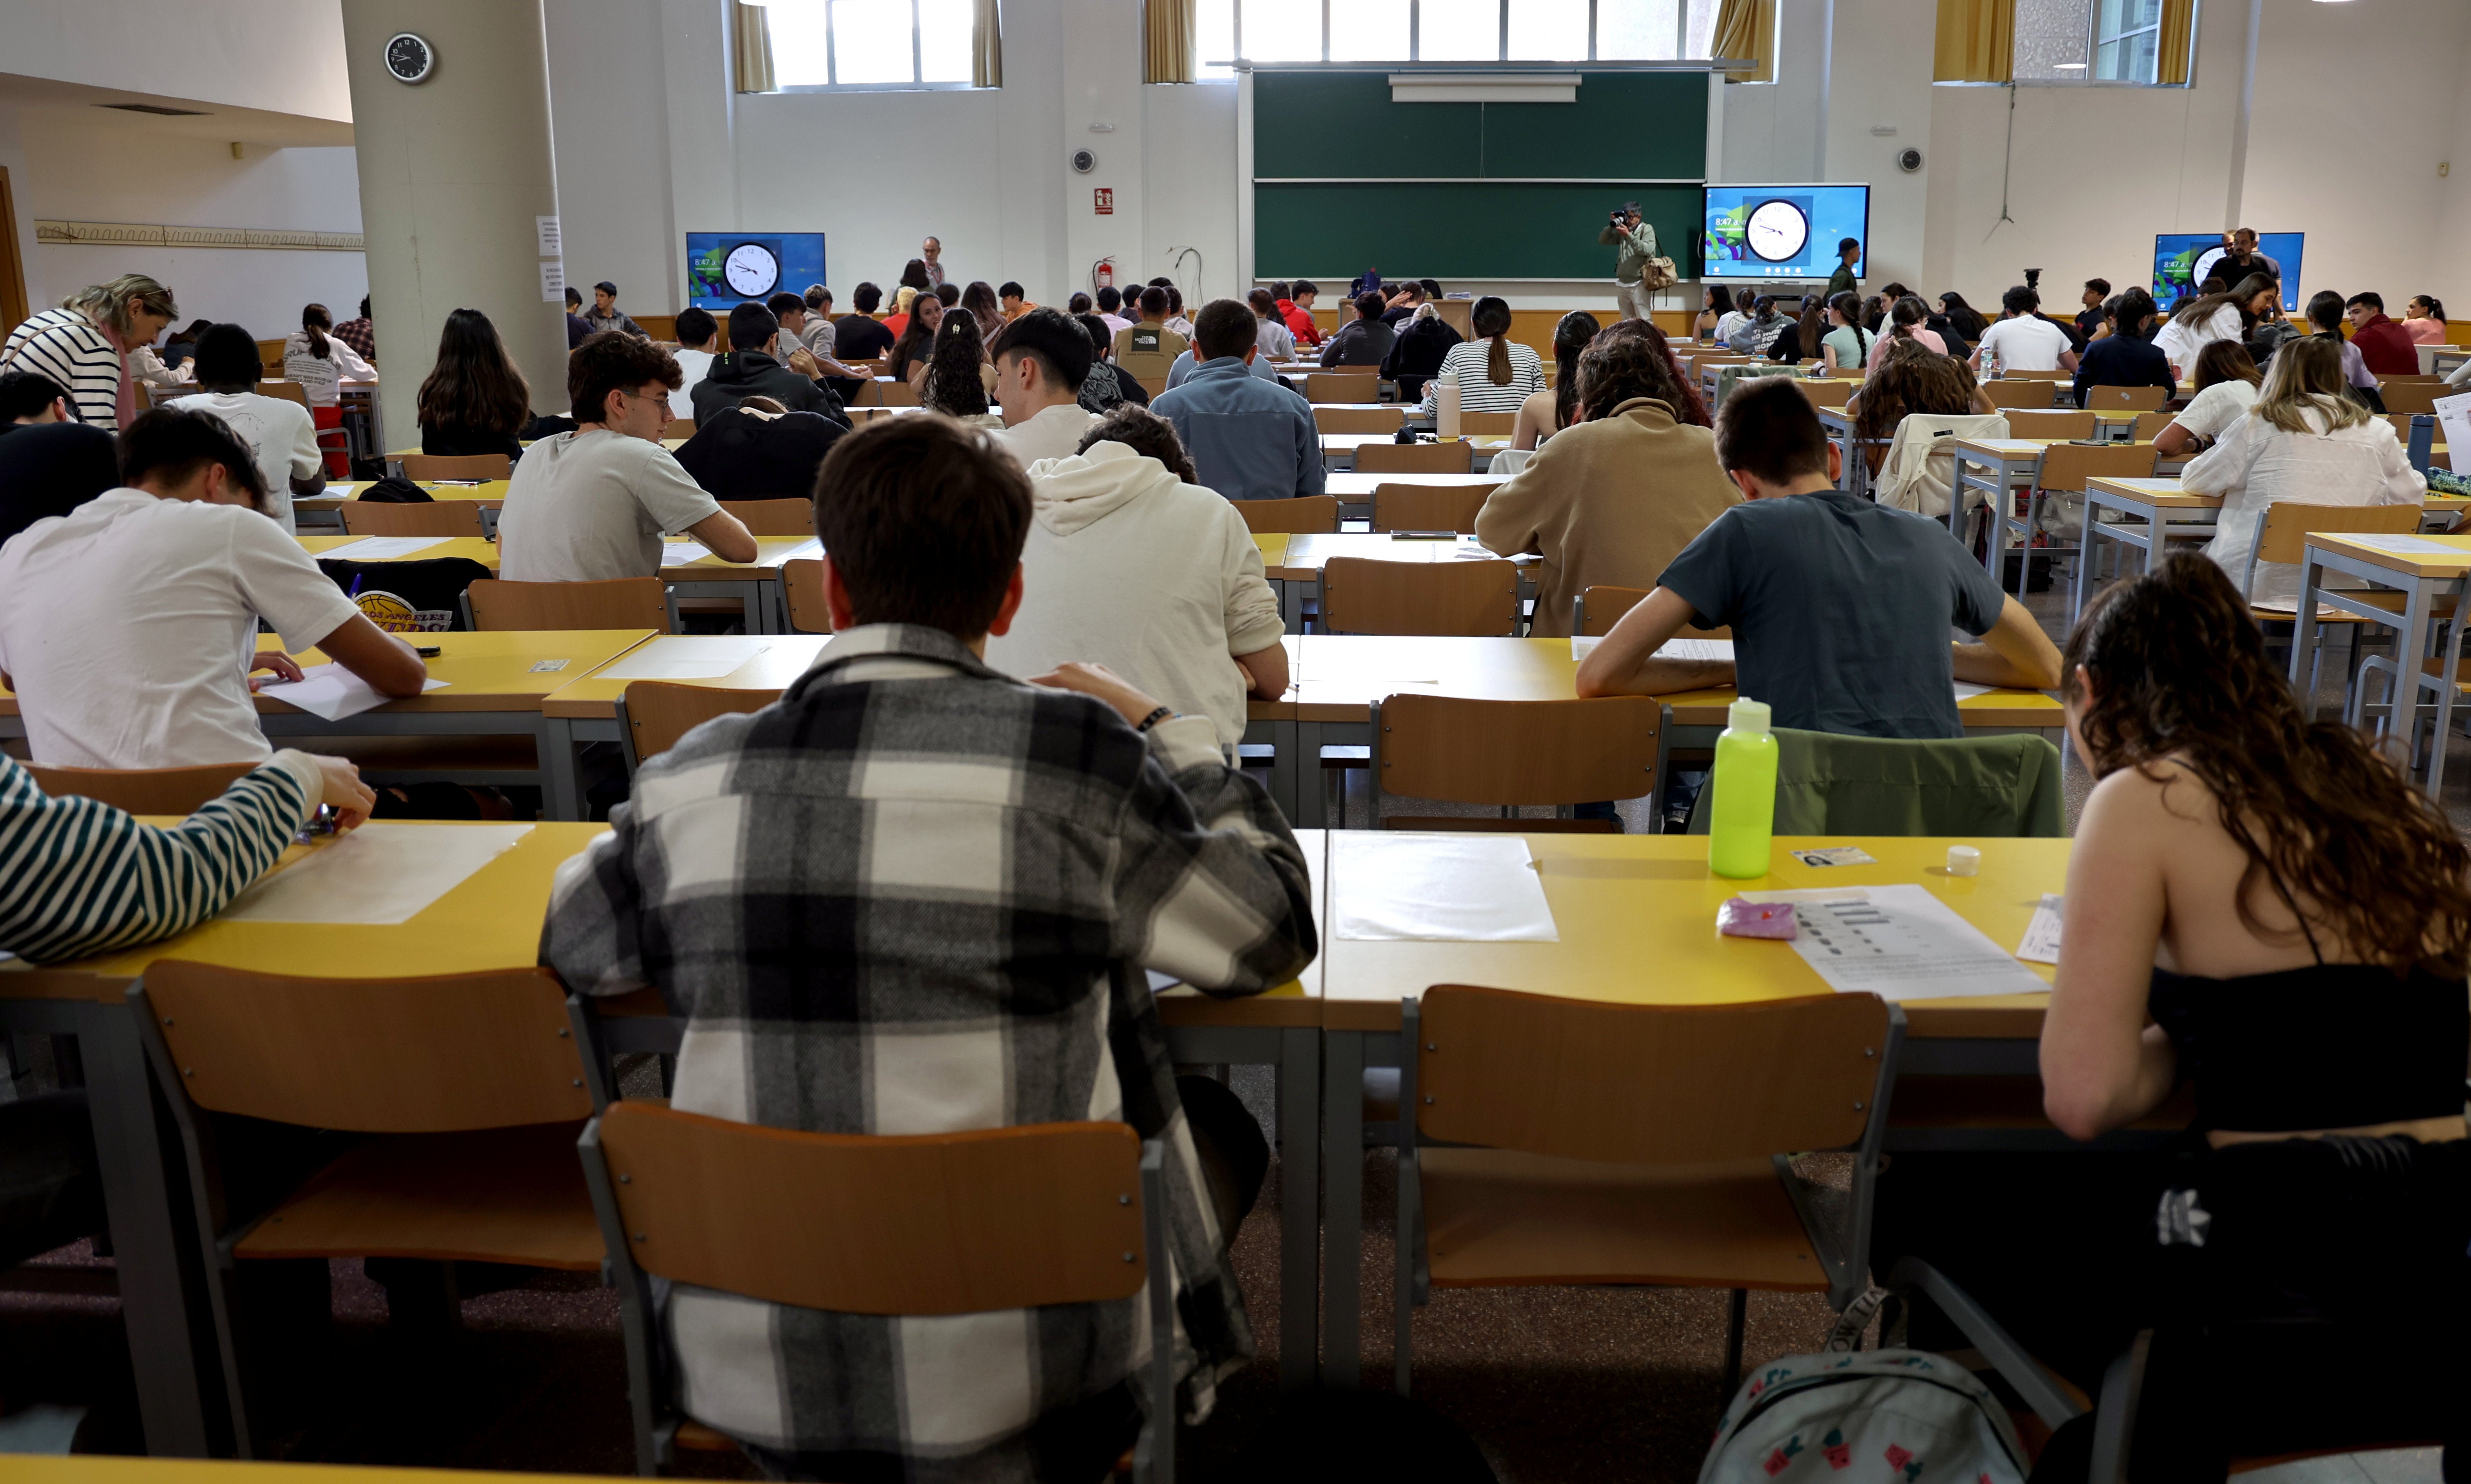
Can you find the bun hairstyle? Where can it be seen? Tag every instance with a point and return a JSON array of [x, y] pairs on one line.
[[2178, 674], [1907, 312]]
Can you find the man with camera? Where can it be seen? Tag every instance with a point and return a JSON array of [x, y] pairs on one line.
[[1637, 262]]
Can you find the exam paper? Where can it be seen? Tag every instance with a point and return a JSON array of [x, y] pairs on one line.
[[685, 657], [677, 553], [810, 550], [332, 693], [384, 547], [1966, 690], [2041, 943], [2412, 545], [378, 875], [1446, 888], [1672, 648], [1899, 943]]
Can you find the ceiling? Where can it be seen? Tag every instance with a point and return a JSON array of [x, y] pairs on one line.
[[215, 120]]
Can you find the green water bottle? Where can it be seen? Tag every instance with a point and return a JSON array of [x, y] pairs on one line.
[[1742, 815]]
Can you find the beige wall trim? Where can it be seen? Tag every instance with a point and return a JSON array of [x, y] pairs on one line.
[[139, 234]]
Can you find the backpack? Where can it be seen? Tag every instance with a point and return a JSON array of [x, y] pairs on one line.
[[423, 597], [1893, 1416]]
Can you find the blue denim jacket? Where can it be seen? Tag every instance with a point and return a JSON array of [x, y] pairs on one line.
[[1251, 439]]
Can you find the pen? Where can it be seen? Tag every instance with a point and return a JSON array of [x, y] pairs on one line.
[[356, 585]]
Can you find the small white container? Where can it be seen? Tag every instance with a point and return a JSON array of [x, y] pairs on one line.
[[1964, 860]]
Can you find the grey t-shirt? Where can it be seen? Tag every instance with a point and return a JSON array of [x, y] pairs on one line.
[[1840, 611], [590, 507]]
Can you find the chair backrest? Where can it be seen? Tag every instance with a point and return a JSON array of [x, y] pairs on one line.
[[1358, 419], [1516, 752], [1307, 515], [2029, 423], [420, 468], [1489, 424], [1827, 393], [2053, 374], [1343, 385], [2149, 425], [386, 518], [621, 602], [141, 791], [2124, 399], [1428, 506], [870, 392], [909, 1224], [658, 713], [2017, 392], [1642, 1084], [1918, 471], [1597, 609], [2068, 465], [1415, 459], [287, 391], [1364, 595], [801, 587], [790, 517], [2412, 396], [678, 428], [2004, 787], [895, 393], [2288, 523], [433, 1055]]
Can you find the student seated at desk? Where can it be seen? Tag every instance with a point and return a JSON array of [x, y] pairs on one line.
[[1019, 852], [1042, 360], [1109, 301], [279, 433], [50, 463], [1106, 387], [1495, 373], [2022, 340], [1616, 498], [591, 505], [1251, 439], [2225, 387], [1363, 341], [1906, 322], [956, 379], [699, 331], [320, 362], [2423, 320], [1133, 565], [803, 331], [1423, 344], [1910, 378], [129, 626], [759, 450], [755, 367], [2126, 356], [1149, 348], [1548, 412], [2225, 315], [861, 337], [475, 399], [1840, 608], [1845, 348], [2388, 349], [1276, 341], [2324, 313], [1295, 306]]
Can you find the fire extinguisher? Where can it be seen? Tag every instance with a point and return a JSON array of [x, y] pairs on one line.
[[1106, 273]]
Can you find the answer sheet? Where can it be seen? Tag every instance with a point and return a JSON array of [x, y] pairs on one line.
[[1899, 943], [677, 553], [686, 657], [378, 875], [383, 547], [1388, 886], [2041, 943], [332, 693], [1672, 648], [2407, 546]]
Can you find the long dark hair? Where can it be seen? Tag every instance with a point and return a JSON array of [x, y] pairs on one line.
[[953, 385], [913, 275], [1903, 315], [917, 336], [2178, 674], [1645, 367], [1720, 299], [2221, 362], [315, 323], [1968, 320], [979, 299], [2130, 311], [1910, 378], [1491, 321], [1812, 327], [2198, 311], [1850, 307], [474, 384], [2435, 307], [1572, 334]]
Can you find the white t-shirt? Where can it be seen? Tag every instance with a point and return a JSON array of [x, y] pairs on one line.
[[127, 626], [322, 377], [1053, 434], [2257, 464], [693, 362], [280, 435], [2215, 407], [591, 506], [2025, 345], [2181, 343]]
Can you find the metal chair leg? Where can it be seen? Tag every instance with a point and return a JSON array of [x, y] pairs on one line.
[[1738, 1315]]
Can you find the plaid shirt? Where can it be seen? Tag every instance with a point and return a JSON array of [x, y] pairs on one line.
[[915, 896], [361, 336]]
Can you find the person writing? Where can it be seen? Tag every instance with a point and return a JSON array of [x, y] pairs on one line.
[[1634, 242], [2223, 390]]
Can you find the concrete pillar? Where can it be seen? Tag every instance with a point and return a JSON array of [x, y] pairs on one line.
[[454, 170]]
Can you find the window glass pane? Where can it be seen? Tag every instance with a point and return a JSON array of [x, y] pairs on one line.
[[944, 38], [1368, 29], [1699, 28], [1548, 30], [1214, 38], [871, 38], [1459, 31], [798, 56], [1634, 30], [1283, 29], [2051, 39]]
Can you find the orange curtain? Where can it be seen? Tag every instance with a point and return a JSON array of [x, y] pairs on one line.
[[2178, 41], [1746, 28], [1167, 30], [1977, 41], [750, 49]]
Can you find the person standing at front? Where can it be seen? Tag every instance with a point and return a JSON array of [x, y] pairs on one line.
[[1636, 240]]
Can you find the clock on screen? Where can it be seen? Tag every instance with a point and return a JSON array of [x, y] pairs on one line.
[[751, 269], [1776, 230]]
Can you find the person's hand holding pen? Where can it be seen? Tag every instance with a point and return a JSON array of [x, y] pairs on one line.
[[346, 803], [285, 667]]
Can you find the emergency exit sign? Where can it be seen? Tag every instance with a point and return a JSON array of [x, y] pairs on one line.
[[1104, 199]]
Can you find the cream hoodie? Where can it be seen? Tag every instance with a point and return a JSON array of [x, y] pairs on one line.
[[1157, 579]]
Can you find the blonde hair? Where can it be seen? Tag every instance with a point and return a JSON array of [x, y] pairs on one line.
[[2307, 375], [107, 303], [900, 300]]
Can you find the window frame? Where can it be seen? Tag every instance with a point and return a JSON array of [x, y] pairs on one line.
[[917, 62], [2093, 46], [1207, 70]]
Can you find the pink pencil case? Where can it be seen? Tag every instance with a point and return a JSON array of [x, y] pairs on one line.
[[1741, 918]]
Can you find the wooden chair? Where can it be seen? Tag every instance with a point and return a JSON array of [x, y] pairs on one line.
[[1512, 753], [870, 394], [2150, 425], [2407, 397], [1358, 419], [287, 391], [471, 1084], [2283, 537], [901, 393], [1597, 609], [2017, 392], [1415, 459], [654, 714], [2053, 374], [790, 517], [1307, 515], [142, 790], [623, 603], [802, 589], [1826, 393], [1363, 596], [2124, 399], [1344, 383], [386, 518], [1620, 1143], [2028, 423], [421, 468], [678, 428], [1154, 385], [1428, 506], [1488, 424], [1000, 1219]]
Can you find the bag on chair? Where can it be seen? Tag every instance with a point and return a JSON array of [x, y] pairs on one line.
[[1884, 1414]]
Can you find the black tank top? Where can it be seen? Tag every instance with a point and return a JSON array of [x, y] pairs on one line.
[[2327, 1045]]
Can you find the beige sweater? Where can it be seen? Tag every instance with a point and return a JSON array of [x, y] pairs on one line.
[[1608, 502]]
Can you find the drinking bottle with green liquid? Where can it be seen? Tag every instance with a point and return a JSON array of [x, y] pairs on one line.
[[1742, 814]]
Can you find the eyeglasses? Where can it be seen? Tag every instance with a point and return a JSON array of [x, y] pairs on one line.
[[661, 396]]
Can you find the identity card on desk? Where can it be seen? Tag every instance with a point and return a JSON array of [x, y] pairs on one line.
[[1899, 943]]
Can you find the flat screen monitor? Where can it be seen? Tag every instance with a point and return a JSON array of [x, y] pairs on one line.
[[1752, 232], [2182, 259], [725, 269]]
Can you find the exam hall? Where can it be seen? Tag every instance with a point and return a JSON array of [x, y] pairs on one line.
[[1058, 739]]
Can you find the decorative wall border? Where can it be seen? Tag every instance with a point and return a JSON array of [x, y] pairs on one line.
[[133, 234]]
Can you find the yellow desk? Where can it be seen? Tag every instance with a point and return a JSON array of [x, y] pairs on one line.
[[1338, 449], [470, 548], [756, 585], [1301, 559], [2432, 573]]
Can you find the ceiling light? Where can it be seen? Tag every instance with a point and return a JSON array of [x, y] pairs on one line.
[[2067, 66]]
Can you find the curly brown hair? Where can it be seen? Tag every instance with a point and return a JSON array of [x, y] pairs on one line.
[[1910, 378], [953, 385], [2178, 674], [1629, 358], [1145, 432]]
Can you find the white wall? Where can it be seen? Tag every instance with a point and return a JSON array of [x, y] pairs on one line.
[[283, 55]]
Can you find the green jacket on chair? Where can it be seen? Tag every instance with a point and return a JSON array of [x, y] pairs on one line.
[[1992, 786]]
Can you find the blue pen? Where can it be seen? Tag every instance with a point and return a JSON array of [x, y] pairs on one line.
[[356, 585]]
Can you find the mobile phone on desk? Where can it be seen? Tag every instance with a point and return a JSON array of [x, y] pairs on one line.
[[458, 484], [428, 651]]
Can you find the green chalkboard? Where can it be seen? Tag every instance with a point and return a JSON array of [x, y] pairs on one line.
[[1456, 230], [1625, 126]]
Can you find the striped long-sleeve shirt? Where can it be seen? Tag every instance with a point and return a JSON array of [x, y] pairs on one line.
[[79, 876], [64, 345]]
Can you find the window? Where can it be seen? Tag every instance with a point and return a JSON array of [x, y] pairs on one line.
[[1409, 31], [870, 43], [2093, 41]]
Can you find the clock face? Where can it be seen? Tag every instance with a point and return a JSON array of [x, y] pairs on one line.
[[1778, 231], [752, 269], [2206, 264], [408, 58]]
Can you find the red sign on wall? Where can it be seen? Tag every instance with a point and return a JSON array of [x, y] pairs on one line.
[[1106, 201]]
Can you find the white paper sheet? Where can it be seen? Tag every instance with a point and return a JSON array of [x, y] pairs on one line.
[[2453, 421], [378, 875], [1446, 888], [804, 551], [2412, 545], [685, 657], [1965, 690], [677, 553], [1672, 648], [1899, 943], [384, 547], [332, 693], [2041, 943]]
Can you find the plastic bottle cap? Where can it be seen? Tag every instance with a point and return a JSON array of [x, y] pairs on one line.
[[1964, 860], [1748, 716]]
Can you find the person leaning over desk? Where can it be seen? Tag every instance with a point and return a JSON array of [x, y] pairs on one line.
[[1629, 229]]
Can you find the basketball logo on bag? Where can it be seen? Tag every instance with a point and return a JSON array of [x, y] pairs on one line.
[[397, 616]]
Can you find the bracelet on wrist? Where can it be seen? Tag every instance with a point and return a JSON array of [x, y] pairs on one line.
[[1163, 714]]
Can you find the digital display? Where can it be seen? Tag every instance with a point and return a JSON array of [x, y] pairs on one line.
[[725, 269], [1779, 231], [2181, 259]]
